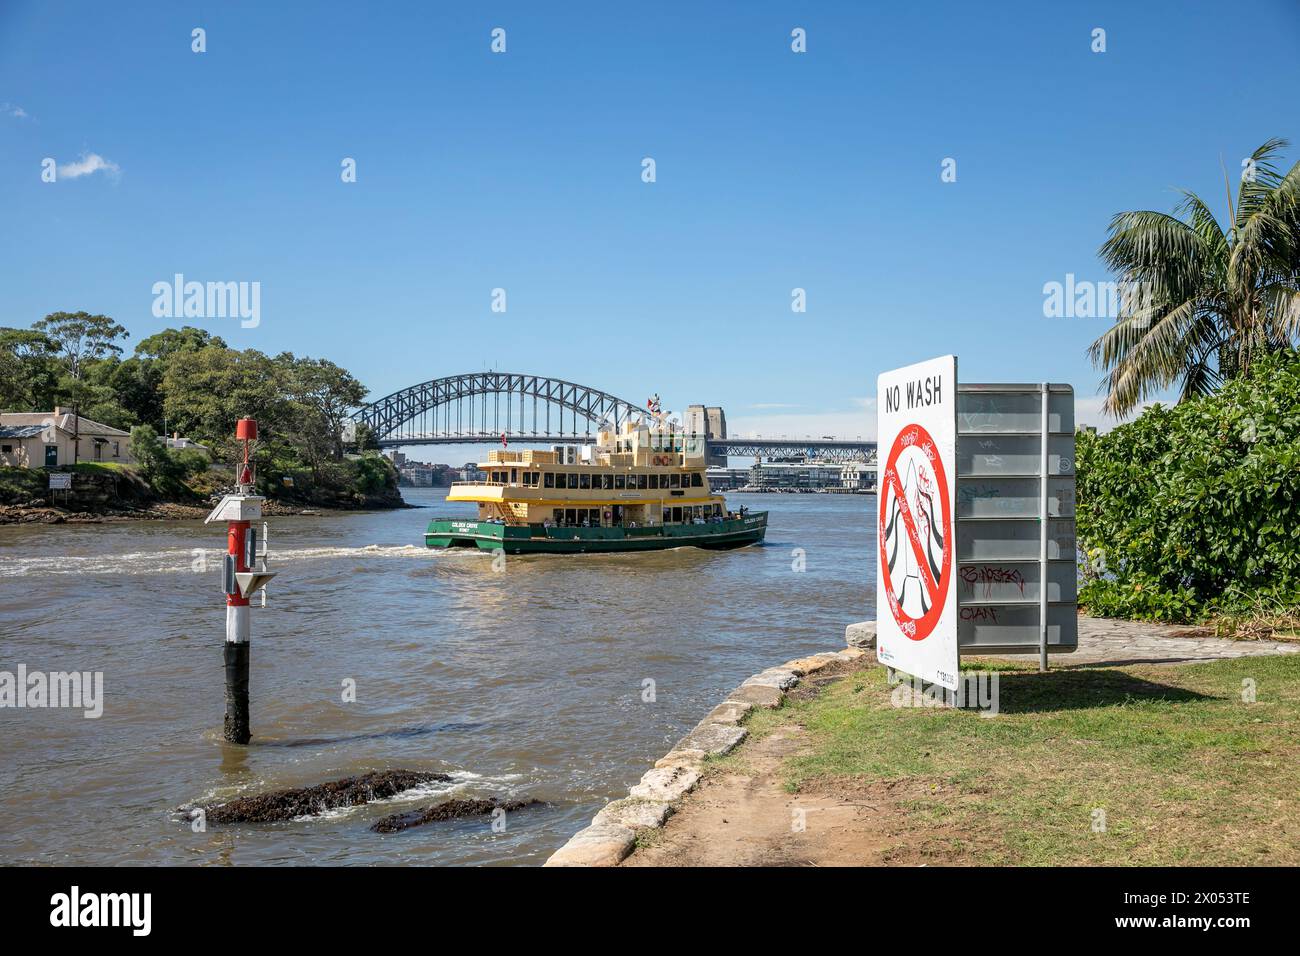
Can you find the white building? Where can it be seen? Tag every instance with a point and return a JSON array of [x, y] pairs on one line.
[[52, 439]]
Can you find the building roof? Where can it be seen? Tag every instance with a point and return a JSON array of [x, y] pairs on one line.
[[20, 431], [65, 420]]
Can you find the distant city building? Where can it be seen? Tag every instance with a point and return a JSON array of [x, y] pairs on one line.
[[858, 476], [422, 474], [813, 475], [710, 422]]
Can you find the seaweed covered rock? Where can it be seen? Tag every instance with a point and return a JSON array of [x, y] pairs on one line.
[[448, 810], [281, 805]]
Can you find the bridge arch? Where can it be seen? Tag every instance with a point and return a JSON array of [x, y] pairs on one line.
[[480, 406]]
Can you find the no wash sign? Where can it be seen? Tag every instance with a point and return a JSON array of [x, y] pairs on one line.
[[916, 599]]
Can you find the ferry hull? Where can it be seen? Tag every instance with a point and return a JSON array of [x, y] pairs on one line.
[[537, 539]]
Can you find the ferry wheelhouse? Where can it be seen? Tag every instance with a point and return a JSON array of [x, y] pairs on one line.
[[637, 489]]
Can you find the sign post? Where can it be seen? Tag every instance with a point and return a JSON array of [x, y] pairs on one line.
[[916, 598]]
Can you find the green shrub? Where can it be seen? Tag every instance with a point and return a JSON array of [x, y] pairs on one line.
[[1194, 509], [163, 469]]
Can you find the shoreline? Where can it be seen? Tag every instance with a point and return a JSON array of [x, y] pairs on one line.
[[691, 810], [164, 511], [616, 830]]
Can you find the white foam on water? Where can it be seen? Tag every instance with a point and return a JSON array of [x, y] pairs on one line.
[[433, 788], [423, 791], [195, 560]]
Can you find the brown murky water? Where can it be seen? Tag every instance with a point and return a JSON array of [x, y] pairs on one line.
[[527, 682]]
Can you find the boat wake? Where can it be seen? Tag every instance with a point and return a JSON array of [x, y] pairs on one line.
[[196, 560]]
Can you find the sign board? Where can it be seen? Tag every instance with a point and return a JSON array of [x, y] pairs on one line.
[[60, 481], [1016, 562], [916, 593], [236, 508]]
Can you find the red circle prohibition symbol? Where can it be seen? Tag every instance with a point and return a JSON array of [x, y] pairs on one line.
[[909, 529]]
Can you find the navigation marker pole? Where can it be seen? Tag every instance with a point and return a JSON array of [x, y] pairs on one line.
[[240, 578]]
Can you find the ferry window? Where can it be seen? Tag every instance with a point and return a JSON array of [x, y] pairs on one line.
[[558, 516], [675, 481], [667, 515], [654, 481], [584, 481], [618, 482], [570, 516], [514, 475], [697, 481], [607, 481], [593, 515], [641, 482], [677, 514], [549, 479], [573, 479]]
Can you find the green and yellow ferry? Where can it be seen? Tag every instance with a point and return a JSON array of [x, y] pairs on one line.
[[643, 488]]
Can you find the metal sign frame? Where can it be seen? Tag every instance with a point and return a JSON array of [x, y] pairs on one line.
[[1015, 524]]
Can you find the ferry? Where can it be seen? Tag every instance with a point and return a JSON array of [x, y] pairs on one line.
[[640, 488]]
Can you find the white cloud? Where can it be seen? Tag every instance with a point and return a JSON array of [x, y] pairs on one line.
[[88, 163], [1087, 411], [853, 423], [14, 110]]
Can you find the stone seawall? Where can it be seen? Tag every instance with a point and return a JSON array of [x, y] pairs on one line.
[[613, 831]]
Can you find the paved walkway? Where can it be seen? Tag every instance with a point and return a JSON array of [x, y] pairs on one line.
[[1138, 642]]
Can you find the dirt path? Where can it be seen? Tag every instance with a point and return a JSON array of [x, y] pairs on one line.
[[742, 815], [748, 819]]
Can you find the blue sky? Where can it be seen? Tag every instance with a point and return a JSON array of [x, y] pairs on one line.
[[522, 171]]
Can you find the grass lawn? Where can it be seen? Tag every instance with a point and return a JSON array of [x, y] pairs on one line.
[[1185, 770], [100, 468]]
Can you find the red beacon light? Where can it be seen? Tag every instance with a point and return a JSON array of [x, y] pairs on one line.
[[246, 431]]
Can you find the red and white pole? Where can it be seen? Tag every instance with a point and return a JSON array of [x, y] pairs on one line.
[[242, 508]]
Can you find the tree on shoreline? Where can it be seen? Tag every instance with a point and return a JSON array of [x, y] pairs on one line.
[[190, 381], [1210, 302]]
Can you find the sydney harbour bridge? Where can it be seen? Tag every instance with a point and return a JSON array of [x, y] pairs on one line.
[[534, 409]]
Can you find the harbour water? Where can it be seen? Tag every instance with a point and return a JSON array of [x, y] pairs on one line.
[[557, 677]]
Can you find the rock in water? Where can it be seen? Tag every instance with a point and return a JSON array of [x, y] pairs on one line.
[[350, 792], [448, 810]]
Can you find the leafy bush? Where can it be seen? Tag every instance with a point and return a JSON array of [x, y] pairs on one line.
[[357, 481], [165, 470], [1195, 509], [21, 485]]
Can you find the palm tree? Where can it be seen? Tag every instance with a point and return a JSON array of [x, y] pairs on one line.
[[1207, 302]]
